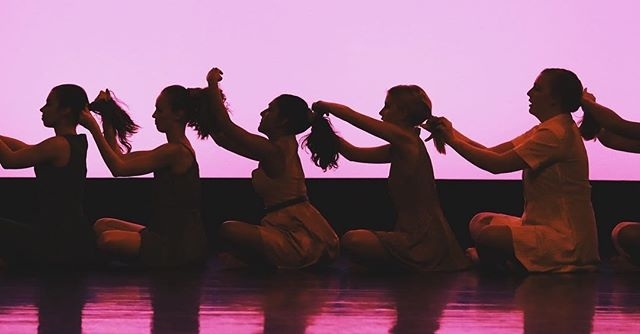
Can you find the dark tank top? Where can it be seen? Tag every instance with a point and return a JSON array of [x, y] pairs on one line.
[[174, 196], [61, 219], [175, 235]]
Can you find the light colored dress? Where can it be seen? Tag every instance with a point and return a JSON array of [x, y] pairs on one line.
[[557, 231], [294, 233]]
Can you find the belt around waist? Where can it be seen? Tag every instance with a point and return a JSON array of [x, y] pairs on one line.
[[287, 203]]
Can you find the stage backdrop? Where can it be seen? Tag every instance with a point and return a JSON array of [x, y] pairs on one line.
[[475, 59]]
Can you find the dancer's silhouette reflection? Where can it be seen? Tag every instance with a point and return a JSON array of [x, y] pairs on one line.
[[175, 299], [558, 303], [291, 299], [420, 301], [60, 299]]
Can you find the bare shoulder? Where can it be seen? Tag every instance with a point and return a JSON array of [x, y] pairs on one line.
[[55, 143]]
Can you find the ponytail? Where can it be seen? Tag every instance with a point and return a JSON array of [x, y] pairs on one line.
[[440, 145], [323, 142], [589, 127], [111, 111], [196, 104]]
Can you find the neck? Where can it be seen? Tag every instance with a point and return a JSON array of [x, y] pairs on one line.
[[550, 114], [65, 130], [176, 135]]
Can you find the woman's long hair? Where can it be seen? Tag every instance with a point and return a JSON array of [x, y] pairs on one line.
[[110, 110], [322, 141], [196, 103]]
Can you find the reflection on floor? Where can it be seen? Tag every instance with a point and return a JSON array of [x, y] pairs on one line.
[[336, 301]]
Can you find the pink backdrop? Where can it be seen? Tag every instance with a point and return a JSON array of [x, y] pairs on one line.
[[476, 59]]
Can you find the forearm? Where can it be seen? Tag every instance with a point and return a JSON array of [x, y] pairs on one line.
[[619, 143], [343, 112], [110, 137], [386, 131], [460, 137], [347, 149], [379, 154], [220, 115], [611, 121], [12, 143], [476, 154], [5, 151], [110, 157]]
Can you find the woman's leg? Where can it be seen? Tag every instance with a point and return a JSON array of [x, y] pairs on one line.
[[118, 237], [626, 239], [107, 224], [243, 241], [494, 240], [363, 247]]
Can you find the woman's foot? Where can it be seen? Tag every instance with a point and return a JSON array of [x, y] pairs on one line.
[[472, 254]]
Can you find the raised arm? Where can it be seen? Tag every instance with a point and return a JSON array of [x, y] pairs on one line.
[[229, 135], [435, 122], [383, 130], [619, 143], [608, 118], [380, 154], [497, 160], [139, 163]]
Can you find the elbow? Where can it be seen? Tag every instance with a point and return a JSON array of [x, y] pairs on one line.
[[495, 170], [7, 164], [220, 138], [116, 173]]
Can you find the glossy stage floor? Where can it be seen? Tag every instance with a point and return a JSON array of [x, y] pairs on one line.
[[338, 300]]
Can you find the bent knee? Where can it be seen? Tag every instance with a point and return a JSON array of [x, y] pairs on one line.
[[626, 234], [229, 229], [478, 223], [100, 225], [355, 239]]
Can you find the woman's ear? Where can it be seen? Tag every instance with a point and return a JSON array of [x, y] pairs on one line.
[[65, 111], [180, 115]]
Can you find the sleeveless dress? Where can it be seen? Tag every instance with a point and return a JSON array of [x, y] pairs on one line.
[[421, 238], [175, 236], [61, 233], [294, 233]]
